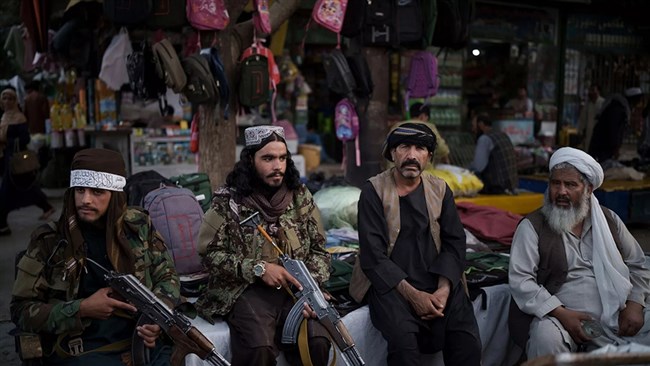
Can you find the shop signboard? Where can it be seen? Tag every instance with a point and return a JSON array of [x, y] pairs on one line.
[[520, 131]]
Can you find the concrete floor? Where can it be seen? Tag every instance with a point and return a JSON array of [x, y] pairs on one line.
[[23, 221]]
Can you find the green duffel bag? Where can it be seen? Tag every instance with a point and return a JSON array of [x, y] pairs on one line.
[[199, 183]]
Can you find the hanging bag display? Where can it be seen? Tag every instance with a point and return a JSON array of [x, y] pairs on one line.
[[330, 14], [207, 14]]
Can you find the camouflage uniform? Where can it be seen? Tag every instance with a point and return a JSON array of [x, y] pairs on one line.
[[232, 250], [45, 295]]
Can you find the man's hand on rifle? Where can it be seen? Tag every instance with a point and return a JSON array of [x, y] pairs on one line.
[[101, 305], [149, 333], [278, 277]]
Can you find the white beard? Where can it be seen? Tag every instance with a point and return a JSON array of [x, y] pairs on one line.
[[562, 220]]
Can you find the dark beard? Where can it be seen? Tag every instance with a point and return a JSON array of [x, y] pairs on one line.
[[259, 186]]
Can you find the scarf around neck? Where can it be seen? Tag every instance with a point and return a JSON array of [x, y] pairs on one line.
[[270, 209]]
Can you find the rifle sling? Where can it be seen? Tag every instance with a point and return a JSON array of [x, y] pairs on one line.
[[303, 345]]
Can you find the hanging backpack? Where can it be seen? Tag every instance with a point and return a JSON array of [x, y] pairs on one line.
[[207, 14], [410, 23], [362, 76], [338, 74], [143, 78], [330, 14], [355, 16], [452, 23], [127, 12], [201, 88], [167, 14], [168, 65], [261, 20], [381, 24], [177, 216], [346, 123], [219, 73], [259, 76], [254, 81], [423, 76]]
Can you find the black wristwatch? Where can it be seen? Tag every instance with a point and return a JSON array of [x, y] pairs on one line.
[[259, 269]]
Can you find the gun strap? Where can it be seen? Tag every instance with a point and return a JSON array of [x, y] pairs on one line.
[[303, 345], [76, 347]]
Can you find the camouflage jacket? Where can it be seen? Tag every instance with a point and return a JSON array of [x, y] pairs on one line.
[[230, 251], [44, 301]]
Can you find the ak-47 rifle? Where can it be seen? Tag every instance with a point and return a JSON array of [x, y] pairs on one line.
[[311, 294], [187, 339]]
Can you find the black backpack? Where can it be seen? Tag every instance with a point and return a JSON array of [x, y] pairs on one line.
[[338, 74], [380, 27], [362, 76], [355, 16], [143, 78], [452, 23], [201, 88], [139, 184], [254, 83], [127, 12], [410, 23]]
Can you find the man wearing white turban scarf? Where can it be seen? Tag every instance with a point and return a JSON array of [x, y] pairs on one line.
[[575, 266]]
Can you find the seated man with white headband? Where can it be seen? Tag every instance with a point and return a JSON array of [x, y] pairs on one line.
[[60, 292], [575, 269]]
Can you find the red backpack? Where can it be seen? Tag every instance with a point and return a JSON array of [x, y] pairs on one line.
[[346, 122]]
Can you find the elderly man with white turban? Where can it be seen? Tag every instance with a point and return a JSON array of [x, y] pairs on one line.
[[577, 275]]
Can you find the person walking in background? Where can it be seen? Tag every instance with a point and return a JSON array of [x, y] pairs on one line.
[[495, 160], [412, 255], [612, 121], [587, 119], [37, 108], [422, 113], [247, 282], [17, 190], [574, 266], [60, 291]]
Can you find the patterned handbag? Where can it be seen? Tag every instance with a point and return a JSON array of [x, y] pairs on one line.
[[25, 161]]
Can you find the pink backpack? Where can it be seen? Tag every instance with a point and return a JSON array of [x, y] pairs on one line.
[[423, 76], [330, 14], [261, 20], [207, 14], [346, 122]]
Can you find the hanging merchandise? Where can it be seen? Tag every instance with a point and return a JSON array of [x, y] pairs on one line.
[[168, 65], [201, 87], [261, 19], [330, 14], [338, 74], [355, 16], [423, 77], [219, 74], [346, 122], [114, 71], [194, 133], [259, 76], [452, 23], [207, 14], [141, 68]]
